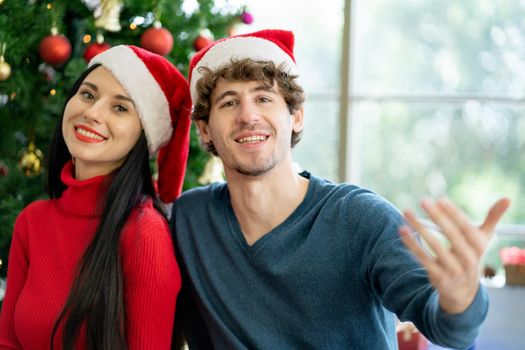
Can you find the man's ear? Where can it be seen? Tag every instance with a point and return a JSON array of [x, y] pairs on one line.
[[298, 120], [204, 134]]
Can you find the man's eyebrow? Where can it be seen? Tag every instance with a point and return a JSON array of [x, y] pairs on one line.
[[264, 88], [261, 87], [224, 94]]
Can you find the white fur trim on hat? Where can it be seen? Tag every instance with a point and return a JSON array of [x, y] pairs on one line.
[[147, 95], [237, 48]]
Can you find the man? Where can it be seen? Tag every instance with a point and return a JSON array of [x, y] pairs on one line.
[[273, 259]]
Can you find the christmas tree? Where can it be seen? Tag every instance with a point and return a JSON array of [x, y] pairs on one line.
[[44, 46]]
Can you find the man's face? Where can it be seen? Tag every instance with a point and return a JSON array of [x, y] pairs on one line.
[[250, 126]]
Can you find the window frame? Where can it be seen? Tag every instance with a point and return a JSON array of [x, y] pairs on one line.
[[349, 163]]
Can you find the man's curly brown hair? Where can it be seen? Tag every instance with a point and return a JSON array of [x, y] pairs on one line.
[[263, 72]]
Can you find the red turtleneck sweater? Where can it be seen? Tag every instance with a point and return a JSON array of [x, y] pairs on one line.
[[49, 239]]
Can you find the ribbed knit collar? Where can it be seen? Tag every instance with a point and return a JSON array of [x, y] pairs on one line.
[[82, 197]]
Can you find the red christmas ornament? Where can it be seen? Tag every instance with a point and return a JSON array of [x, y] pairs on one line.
[[55, 49], [94, 49], [246, 18], [157, 39], [201, 42], [4, 169]]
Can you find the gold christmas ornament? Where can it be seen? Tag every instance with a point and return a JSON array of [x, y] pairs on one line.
[[107, 15], [31, 160], [213, 172], [5, 68]]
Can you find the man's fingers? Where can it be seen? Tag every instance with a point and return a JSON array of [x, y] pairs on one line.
[[426, 260], [494, 215], [471, 233], [461, 248], [442, 255]]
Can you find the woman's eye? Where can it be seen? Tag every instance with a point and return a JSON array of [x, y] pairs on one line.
[[87, 95], [120, 108]]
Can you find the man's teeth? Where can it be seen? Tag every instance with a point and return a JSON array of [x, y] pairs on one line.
[[256, 138], [89, 134]]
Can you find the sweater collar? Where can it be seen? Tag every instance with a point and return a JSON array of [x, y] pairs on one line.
[[83, 197]]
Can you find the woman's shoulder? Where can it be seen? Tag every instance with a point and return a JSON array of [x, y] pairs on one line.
[[146, 220], [146, 213], [38, 207], [33, 213], [146, 230]]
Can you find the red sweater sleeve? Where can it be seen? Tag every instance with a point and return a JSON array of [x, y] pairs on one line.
[[16, 274], [151, 280]]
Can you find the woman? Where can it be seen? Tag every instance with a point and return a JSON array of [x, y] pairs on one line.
[[94, 267]]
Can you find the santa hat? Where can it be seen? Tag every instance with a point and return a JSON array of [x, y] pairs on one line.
[[266, 45], [161, 96]]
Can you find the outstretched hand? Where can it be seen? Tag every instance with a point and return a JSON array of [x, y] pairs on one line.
[[453, 270]]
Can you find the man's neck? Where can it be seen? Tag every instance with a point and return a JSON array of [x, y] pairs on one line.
[[263, 202]]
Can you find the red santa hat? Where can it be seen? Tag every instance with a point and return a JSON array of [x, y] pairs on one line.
[[266, 45], [161, 96]]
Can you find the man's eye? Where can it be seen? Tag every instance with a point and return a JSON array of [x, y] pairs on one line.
[[229, 103]]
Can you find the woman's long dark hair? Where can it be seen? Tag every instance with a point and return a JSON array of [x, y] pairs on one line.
[[96, 298]]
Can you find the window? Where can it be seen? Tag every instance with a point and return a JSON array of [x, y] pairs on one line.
[[438, 99], [437, 103]]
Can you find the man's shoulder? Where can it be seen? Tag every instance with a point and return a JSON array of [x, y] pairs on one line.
[[200, 194], [326, 187], [349, 195]]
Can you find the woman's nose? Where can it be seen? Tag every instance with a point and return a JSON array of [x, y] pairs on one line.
[[94, 112]]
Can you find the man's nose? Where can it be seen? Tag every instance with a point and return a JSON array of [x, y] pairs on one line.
[[248, 113]]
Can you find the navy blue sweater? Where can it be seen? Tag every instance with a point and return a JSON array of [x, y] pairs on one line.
[[331, 276]]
